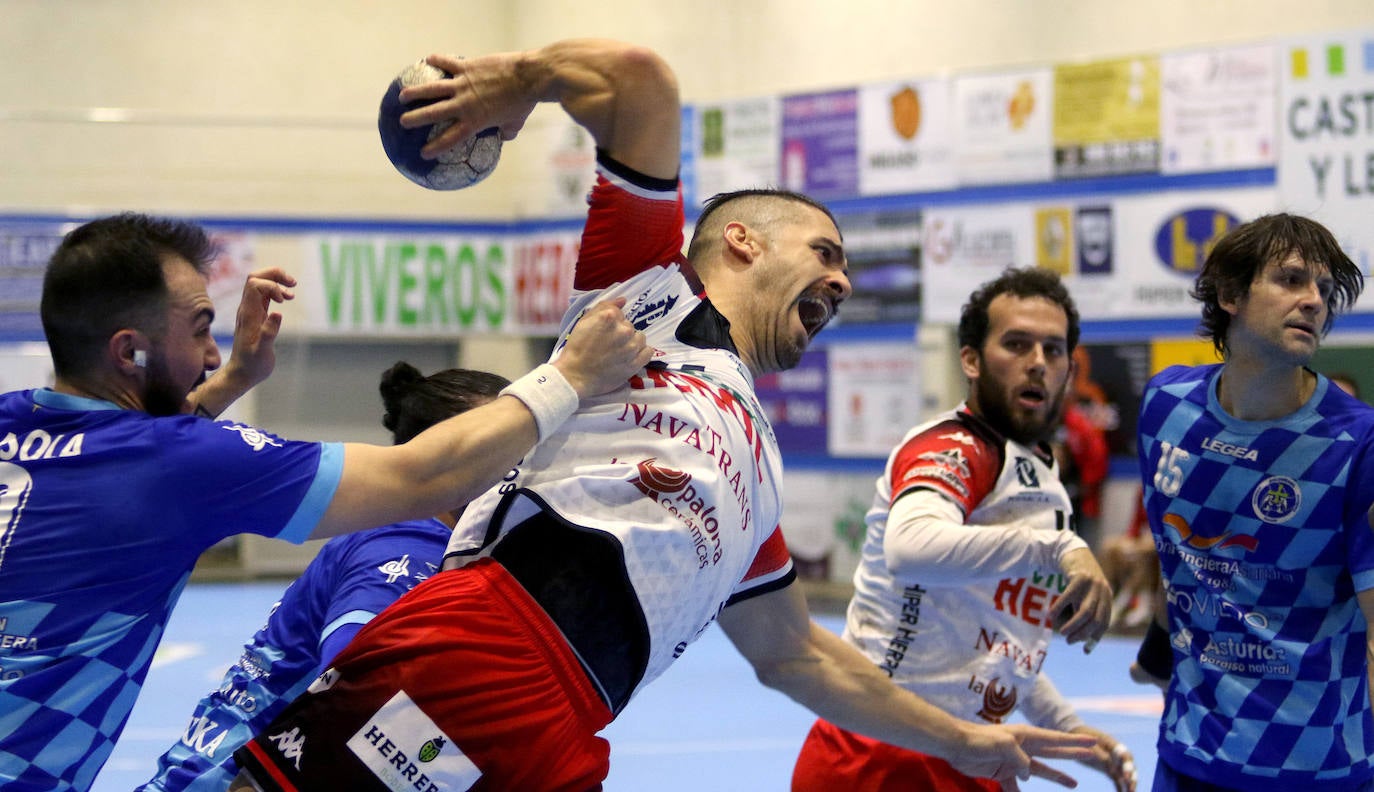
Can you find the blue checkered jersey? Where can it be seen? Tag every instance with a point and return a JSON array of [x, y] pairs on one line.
[[1263, 542], [351, 580], [103, 513]]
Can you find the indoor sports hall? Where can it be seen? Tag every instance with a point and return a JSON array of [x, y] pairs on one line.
[[1112, 142]]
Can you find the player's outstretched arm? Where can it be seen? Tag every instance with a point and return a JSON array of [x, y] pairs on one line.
[[813, 666], [624, 94], [254, 355], [457, 459]]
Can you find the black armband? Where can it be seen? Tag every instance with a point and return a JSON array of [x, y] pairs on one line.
[[1156, 656]]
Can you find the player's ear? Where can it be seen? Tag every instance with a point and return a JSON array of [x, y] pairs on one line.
[[128, 351], [741, 241], [968, 361]]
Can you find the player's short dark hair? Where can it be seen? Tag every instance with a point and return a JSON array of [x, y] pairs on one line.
[[107, 275], [754, 197], [1240, 256], [415, 402], [1020, 282]]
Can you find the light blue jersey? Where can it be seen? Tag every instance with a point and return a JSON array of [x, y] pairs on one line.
[[1263, 541], [103, 513], [352, 579]]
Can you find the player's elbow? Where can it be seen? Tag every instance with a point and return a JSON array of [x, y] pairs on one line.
[[646, 73]]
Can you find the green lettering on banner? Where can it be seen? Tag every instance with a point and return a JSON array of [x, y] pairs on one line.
[[333, 271], [398, 284], [465, 273], [436, 307], [378, 284], [496, 271], [405, 256]]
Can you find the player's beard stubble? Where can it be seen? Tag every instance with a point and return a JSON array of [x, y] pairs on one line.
[[995, 398]]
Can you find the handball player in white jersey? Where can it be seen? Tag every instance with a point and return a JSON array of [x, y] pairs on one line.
[[653, 513], [970, 564]]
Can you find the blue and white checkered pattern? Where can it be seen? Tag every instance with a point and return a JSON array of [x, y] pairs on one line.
[[103, 513], [1263, 544]]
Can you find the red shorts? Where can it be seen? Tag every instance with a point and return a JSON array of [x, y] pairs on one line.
[[463, 683], [832, 758]]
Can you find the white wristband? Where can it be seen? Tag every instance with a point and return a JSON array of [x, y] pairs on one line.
[[548, 395]]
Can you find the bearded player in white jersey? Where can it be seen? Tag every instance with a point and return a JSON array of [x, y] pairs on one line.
[[970, 562], [619, 540]]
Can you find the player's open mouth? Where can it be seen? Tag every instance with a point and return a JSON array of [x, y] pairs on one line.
[[1031, 396], [815, 313]]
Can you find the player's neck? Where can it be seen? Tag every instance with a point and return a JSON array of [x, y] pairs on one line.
[[1253, 392], [100, 391]]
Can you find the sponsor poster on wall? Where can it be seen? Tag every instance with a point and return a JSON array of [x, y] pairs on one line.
[[1217, 109], [1326, 155], [1002, 127], [1159, 243], [906, 137], [24, 252], [963, 247], [1106, 117], [795, 402], [427, 285], [737, 145], [228, 273], [558, 187], [873, 397], [823, 520], [884, 254], [819, 152]]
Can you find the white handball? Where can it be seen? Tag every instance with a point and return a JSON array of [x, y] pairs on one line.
[[455, 169]]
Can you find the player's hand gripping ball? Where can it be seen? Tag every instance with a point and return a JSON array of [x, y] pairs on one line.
[[455, 169]]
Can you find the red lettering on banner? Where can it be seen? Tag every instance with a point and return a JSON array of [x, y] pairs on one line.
[[543, 272]]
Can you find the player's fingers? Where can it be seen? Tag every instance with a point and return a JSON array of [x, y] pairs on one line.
[[1051, 744], [1042, 770]]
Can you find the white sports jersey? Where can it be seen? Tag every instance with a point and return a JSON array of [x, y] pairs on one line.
[[677, 474], [960, 568]]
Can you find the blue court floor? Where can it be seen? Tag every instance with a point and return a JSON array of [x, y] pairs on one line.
[[705, 725]]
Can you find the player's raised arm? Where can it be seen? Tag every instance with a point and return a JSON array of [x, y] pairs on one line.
[[624, 94]]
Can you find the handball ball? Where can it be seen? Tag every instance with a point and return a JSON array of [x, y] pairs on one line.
[[455, 169]]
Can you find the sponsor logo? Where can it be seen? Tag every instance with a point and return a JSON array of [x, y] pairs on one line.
[[1029, 603], [198, 730], [291, 745], [723, 398], [396, 568], [659, 484], [998, 700], [906, 112], [1021, 105], [994, 643], [706, 440], [900, 643], [1213, 605], [407, 752], [1239, 452], [431, 749], [1025, 473], [324, 681], [963, 438], [951, 459], [652, 312], [1183, 640], [253, 437], [1184, 240], [1227, 539], [1277, 499]]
